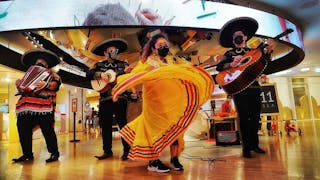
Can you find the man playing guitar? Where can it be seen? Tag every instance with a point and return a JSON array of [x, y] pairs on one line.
[[234, 34], [104, 74]]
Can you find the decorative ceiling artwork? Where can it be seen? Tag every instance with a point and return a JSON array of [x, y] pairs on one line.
[[71, 29]]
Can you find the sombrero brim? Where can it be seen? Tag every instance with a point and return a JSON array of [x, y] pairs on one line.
[[30, 57], [247, 24], [102, 46]]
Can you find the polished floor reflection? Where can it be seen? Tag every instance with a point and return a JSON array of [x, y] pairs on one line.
[[288, 157]]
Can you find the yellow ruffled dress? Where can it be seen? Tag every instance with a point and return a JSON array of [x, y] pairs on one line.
[[171, 96]]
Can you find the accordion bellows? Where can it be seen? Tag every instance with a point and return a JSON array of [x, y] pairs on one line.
[[33, 75]]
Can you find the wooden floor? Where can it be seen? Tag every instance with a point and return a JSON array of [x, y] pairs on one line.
[[288, 157]]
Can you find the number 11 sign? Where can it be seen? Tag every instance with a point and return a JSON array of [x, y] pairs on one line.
[[268, 96]]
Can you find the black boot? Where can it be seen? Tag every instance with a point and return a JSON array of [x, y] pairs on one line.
[[52, 158], [125, 156], [23, 158], [104, 156], [176, 164], [246, 154], [259, 150]]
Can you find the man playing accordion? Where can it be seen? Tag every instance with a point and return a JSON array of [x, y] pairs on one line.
[[37, 102]]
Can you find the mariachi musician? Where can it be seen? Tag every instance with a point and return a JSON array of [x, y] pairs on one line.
[[104, 74], [36, 105], [235, 34]]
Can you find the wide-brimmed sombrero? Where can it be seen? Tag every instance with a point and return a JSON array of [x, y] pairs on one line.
[[30, 57], [246, 24], [119, 43]]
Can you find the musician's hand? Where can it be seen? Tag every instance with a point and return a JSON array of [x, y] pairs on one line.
[[128, 69], [263, 79], [41, 84], [105, 77], [134, 95], [270, 47], [236, 61]]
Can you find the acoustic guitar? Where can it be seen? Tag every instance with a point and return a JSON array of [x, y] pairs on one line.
[[101, 85], [251, 65]]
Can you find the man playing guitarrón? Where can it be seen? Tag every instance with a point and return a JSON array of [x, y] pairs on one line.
[[105, 73], [234, 34]]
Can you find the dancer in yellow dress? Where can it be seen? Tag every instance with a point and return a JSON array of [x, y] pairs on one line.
[[173, 91]]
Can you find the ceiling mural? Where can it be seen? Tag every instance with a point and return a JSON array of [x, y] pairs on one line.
[[76, 28]]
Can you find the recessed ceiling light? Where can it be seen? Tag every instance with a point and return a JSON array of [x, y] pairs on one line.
[[283, 72], [317, 70], [304, 69]]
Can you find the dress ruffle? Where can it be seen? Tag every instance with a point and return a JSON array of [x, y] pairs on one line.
[[172, 96]]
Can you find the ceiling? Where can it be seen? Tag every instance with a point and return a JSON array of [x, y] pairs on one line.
[[304, 13]]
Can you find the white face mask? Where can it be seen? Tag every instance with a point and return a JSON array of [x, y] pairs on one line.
[[113, 53]]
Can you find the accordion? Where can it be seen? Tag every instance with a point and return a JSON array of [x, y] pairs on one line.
[[32, 77]]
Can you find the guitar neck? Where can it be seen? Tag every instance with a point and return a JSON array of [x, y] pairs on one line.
[[286, 32]]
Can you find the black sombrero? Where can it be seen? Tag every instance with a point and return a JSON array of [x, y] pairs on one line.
[[119, 43], [30, 57], [246, 24]]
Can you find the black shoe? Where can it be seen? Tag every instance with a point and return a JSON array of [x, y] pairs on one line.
[[104, 156], [176, 164], [246, 154], [52, 158], [259, 150], [158, 166], [23, 158], [125, 156]]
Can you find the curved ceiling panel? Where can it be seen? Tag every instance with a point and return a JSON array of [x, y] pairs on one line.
[[198, 14], [63, 27]]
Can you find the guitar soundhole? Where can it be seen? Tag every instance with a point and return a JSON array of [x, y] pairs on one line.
[[245, 60]]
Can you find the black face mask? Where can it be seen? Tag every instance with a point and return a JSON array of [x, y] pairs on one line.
[[163, 51], [40, 64], [238, 39]]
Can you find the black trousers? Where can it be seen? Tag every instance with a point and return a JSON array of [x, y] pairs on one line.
[[25, 124], [107, 109], [248, 106]]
